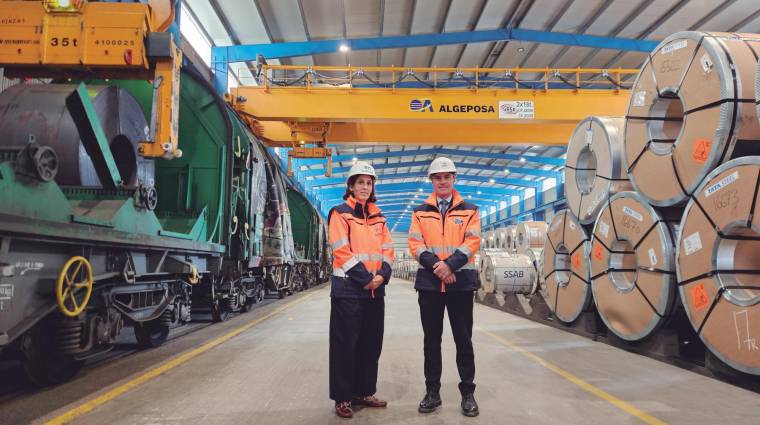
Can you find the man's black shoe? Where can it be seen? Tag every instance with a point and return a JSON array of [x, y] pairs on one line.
[[469, 406], [430, 402]]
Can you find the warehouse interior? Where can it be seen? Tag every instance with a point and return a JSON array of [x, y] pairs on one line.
[[171, 173]]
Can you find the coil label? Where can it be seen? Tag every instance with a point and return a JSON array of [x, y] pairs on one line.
[[672, 47], [633, 213], [604, 229], [652, 257], [6, 294], [692, 244], [598, 251], [725, 181], [701, 150], [589, 136], [699, 296], [640, 98]]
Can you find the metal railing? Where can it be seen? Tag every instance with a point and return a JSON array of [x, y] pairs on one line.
[[392, 78]]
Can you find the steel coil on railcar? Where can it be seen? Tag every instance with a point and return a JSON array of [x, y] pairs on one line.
[[38, 113]]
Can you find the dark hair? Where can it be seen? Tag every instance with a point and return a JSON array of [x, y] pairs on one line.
[[351, 181]]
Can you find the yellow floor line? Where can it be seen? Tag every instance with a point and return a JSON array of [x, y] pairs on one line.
[[609, 398], [163, 368]]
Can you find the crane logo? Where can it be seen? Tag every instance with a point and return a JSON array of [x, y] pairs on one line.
[[421, 105]]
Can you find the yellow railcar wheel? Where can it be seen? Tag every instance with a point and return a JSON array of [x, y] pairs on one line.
[[75, 276]]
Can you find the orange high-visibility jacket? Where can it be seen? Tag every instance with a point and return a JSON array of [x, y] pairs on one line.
[[453, 238], [362, 248]]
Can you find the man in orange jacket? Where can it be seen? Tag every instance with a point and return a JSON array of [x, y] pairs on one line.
[[444, 237]]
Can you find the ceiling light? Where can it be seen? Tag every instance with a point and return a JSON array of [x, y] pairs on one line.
[[492, 181], [506, 171], [520, 49], [343, 47], [522, 159], [420, 189], [469, 196], [480, 193]]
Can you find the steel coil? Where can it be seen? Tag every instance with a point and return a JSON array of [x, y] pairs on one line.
[[632, 265], [566, 272], [718, 263], [594, 169], [691, 109], [38, 112], [531, 234]]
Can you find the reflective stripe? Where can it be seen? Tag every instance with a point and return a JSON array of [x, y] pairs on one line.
[[387, 246], [469, 266], [348, 265], [368, 257], [339, 243], [388, 260], [416, 236], [443, 249], [465, 250], [472, 233], [338, 273], [419, 252]]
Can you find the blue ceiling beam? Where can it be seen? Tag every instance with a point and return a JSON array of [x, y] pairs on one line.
[[318, 183], [462, 165], [543, 160], [327, 193], [222, 56]]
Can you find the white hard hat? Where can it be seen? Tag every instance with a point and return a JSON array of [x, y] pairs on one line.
[[362, 167], [441, 165]]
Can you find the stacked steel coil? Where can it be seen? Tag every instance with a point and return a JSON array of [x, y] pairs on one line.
[[566, 267], [671, 194]]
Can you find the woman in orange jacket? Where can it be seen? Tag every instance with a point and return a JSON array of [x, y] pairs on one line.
[[362, 258]]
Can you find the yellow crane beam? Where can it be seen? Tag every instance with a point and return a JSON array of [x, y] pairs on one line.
[[281, 134], [328, 104]]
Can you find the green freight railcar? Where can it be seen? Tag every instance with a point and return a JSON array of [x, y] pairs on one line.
[[310, 241], [94, 237]]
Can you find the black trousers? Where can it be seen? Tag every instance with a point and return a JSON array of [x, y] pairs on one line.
[[356, 340], [459, 305]]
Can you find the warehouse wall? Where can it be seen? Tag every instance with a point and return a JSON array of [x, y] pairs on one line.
[[400, 245]]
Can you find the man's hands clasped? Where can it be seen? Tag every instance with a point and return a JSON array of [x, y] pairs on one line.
[[443, 271]]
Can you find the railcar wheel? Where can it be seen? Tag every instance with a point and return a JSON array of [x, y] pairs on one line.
[[42, 361], [220, 311], [74, 280], [259, 293], [154, 333]]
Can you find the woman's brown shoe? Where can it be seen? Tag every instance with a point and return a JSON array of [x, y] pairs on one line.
[[344, 410], [370, 401]]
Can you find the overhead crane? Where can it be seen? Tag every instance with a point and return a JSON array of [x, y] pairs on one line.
[[302, 106]]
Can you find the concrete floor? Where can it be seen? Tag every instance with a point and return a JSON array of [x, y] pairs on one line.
[[276, 373]]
